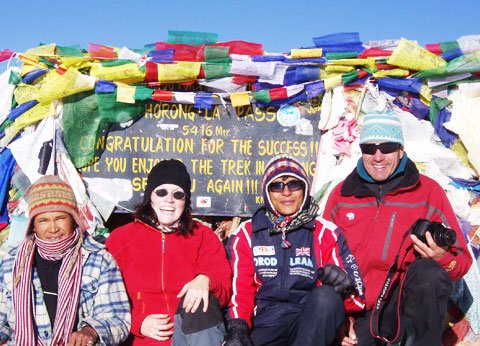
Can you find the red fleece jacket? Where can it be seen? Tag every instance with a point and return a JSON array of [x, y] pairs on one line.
[[155, 266]]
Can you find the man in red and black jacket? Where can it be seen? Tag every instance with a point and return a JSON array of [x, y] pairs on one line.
[[376, 206], [293, 274]]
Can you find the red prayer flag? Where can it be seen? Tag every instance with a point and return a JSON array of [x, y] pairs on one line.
[[151, 72], [182, 52], [278, 93], [240, 79], [99, 51], [435, 48], [162, 95], [242, 47], [6, 54], [373, 52]]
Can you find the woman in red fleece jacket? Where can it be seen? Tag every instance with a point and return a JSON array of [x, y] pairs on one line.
[[175, 269]]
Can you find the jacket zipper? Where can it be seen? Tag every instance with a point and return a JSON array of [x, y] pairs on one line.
[[163, 272]]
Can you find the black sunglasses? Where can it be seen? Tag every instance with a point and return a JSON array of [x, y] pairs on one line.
[[178, 195], [385, 148], [293, 185]]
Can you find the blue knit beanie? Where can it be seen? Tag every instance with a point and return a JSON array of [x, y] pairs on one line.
[[381, 127]]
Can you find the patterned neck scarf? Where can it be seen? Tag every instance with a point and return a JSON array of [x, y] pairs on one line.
[[68, 249], [284, 224]]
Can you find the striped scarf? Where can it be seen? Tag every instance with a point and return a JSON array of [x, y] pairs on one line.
[[68, 249]]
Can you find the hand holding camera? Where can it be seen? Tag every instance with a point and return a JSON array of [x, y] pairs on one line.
[[441, 238]]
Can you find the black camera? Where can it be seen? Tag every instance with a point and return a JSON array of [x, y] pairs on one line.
[[442, 235]]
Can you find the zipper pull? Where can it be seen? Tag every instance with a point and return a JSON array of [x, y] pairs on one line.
[[139, 296]]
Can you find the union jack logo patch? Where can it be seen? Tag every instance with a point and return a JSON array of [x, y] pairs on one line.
[[302, 251]]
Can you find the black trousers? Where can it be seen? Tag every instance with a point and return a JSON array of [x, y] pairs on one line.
[[422, 308], [315, 325]]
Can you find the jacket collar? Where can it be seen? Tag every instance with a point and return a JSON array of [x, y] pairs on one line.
[[354, 185]]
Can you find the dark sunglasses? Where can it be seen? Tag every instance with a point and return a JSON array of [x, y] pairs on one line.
[[385, 148], [293, 185], [178, 195]]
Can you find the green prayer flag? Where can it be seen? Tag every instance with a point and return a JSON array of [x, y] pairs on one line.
[[262, 95], [74, 51], [115, 62], [191, 37], [85, 116], [14, 78], [142, 93], [467, 63], [214, 54], [349, 77], [436, 105], [216, 70], [446, 46], [341, 55]]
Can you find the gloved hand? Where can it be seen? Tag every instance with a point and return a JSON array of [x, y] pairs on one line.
[[337, 278], [237, 333]]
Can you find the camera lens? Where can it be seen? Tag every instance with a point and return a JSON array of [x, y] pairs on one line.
[[442, 235]]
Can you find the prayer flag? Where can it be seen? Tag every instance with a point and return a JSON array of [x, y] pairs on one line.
[[411, 56], [6, 54], [278, 93], [340, 42], [305, 53], [125, 93], [142, 93], [75, 51], [182, 52], [242, 47], [162, 95], [163, 55], [203, 100], [191, 37], [262, 95], [103, 87], [98, 51], [315, 88], [240, 99]]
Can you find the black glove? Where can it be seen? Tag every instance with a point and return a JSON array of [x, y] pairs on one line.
[[337, 278], [237, 333]]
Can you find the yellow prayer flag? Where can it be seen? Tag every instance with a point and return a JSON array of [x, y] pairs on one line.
[[45, 50], [10, 133], [327, 74], [426, 94], [240, 99], [30, 62], [34, 115], [181, 71], [76, 62], [57, 86], [396, 72], [125, 93], [411, 56], [126, 73], [338, 69], [332, 82], [306, 53], [25, 92], [367, 62]]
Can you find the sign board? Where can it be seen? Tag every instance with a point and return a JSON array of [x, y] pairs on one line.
[[225, 149]]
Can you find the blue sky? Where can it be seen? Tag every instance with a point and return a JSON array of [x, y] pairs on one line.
[[278, 25]]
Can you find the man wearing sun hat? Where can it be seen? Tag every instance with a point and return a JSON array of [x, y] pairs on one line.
[[293, 274], [59, 285], [377, 206]]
